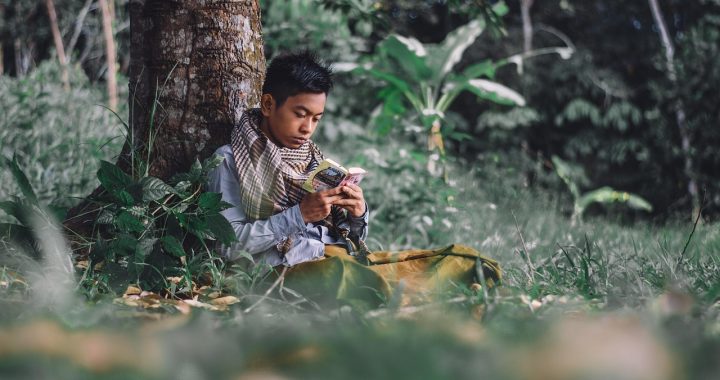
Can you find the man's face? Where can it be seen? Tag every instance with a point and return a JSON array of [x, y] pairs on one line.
[[292, 124]]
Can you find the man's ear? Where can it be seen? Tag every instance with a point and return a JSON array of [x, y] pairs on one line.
[[267, 102]]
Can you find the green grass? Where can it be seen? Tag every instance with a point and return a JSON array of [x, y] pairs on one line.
[[607, 297]]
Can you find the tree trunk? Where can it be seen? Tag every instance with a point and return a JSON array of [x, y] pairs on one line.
[[679, 106], [21, 62], [57, 38], [525, 6], [111, 8], [202, 63], [107, 18], [79, 21]]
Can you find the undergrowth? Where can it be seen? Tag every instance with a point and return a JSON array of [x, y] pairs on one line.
[[656, 278]]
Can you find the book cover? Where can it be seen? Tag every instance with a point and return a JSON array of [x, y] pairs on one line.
[[329, 174]]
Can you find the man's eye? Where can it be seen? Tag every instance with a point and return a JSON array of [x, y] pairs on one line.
[[300, 115]]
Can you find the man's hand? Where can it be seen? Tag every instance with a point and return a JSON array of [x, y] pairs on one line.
[[353, 200], [316, 206]]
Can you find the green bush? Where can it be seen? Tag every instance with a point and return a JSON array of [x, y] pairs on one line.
[[58, 137], [149, 230]]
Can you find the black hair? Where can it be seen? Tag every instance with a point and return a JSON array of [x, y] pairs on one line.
[[295, 73]]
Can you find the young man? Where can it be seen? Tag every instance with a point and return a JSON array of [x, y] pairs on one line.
[[269, 158]]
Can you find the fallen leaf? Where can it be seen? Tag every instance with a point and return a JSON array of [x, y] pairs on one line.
[[203, 305], [214, 295], [225, 301], [132, 290], [183, 307]]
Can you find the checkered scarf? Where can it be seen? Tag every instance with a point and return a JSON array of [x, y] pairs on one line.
[[271, 177]]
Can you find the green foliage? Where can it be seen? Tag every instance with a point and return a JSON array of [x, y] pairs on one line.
[[22, 180], [148, 230], [30, 216], [420, 76], [604, 195], [324, 30], [697, 52], [611, 106], [371, 19], [585, 109], [58, 138], [518, 117], [406, 206]]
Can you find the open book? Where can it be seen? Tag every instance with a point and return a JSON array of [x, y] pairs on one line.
[[329, 174]]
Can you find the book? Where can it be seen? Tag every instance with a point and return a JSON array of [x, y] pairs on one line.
[[329, 174]]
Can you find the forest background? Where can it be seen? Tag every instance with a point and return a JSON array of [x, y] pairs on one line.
[[590, 169]]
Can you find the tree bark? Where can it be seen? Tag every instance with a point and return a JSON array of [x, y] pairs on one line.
[[57, 38], [201, 62], [679, 106], [107, 18], [204, 62]]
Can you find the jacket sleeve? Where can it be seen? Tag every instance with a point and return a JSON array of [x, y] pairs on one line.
[[261, 236], [359, 225]]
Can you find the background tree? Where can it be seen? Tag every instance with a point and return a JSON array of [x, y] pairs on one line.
[[57, 38], [108, 15], [680, 116], [610, 110], [195, 66]]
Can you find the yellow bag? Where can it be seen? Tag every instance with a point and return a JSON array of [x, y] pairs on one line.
[[370, 281]]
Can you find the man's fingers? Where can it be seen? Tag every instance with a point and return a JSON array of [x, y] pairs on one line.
[[330, 192], [333, 198], [355, 207], [355, 192], [346, 202]]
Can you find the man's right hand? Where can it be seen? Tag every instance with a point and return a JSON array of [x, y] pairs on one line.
[[316, 206]]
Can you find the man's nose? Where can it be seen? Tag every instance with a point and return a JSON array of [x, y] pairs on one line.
[[306, 126]]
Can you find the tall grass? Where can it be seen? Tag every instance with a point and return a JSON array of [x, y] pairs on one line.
[[488, 206], [604, 298]]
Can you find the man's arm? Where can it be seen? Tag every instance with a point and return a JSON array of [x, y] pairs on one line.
[[261, 236]]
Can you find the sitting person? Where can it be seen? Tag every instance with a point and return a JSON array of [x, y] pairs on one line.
[[279, 223], [266, 164]]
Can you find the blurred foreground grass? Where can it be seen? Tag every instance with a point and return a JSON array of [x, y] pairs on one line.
[[598, 300]]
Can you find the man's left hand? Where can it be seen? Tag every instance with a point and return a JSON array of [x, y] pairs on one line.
[[353, 200]]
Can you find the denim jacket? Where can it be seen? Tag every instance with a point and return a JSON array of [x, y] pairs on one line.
[[261, 238]]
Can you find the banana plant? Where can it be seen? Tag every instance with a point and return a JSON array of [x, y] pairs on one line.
[[421, 76], [603, 195]]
